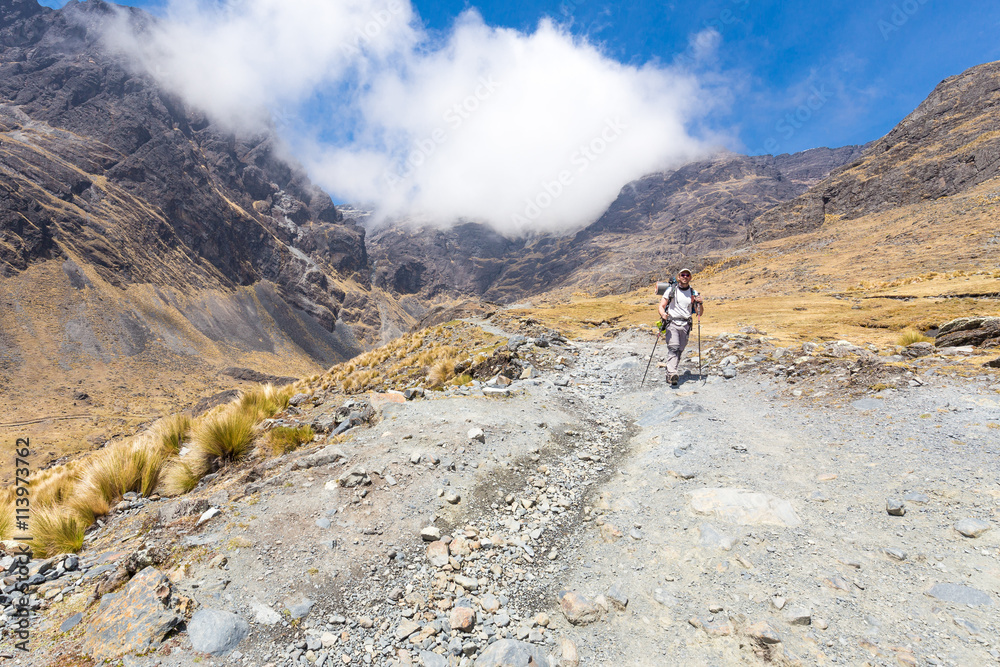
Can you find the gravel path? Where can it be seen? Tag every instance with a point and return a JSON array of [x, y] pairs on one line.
[[722, 522]]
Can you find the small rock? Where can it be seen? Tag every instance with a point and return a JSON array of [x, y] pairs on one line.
[[405, 629], [438, 553], [298, 399], [798, 616], [452, 497], [300, 608], [960, 594], [489, 603], [430, 534], [507, 652], [895, 554], [209, 514], [972, 527], [569, 656], [468, 583], [578, 609], [709, 536], [895, 507], [617, 597], [462, 619], [778, 602], [216, 631], [477, 434], [763, 632]]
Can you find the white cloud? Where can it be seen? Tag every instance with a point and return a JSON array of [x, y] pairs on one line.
[[526, 132]]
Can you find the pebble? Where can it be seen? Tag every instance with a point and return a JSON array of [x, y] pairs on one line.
[[895, 507]]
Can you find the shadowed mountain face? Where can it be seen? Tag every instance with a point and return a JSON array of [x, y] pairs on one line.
[[663, 218], [143, 249], [947, 145], [101, 168]]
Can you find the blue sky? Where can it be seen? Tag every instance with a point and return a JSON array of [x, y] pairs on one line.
[[806, 74], [865, 65]]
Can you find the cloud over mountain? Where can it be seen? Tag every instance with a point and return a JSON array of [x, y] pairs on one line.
[[526, 132]]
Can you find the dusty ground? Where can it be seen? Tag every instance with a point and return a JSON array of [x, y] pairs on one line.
[[603, 472]]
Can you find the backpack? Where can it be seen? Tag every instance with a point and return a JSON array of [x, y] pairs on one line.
[[672, 292]]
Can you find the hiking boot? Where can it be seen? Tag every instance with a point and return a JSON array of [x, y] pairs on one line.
[[673, 380]]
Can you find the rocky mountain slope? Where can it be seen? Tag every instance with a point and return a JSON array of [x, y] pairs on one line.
[[948, 145], [662, 218], [141, 243]]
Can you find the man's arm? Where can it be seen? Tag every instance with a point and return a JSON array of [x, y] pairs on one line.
[[699, 305], [664, 302]]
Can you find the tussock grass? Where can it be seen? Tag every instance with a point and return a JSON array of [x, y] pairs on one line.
[[55, 531], [264, 401], [129, 465], [6, 514], [910, 336], [284, 439], [88, 502], [441, 372], [173, 431], [462, 379], [225, 437], [53, 486], [180, 477]]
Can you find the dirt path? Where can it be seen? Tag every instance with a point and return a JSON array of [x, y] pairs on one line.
[[743, 525]]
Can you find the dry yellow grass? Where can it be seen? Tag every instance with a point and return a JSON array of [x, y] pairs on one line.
[[172, 431], [264, 401], [226, 437], [180, 476], [910, 336], [427, 357], [6, 514], [284, 439], [55, 531]]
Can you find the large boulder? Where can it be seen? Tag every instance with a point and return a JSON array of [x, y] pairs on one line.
[[978, 331], [133, 621]]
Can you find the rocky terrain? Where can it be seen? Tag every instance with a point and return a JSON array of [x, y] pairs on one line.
[[832, 503]]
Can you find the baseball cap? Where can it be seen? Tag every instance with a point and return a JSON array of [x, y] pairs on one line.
[[688, 271]]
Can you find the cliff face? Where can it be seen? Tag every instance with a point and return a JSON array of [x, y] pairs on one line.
[[101, 167], [947, 145], [662, 218]]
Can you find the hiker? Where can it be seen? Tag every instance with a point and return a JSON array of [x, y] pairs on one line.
[[676, 311]]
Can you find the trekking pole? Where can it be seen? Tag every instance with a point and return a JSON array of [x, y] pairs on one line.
[[650, 359], [700, 376]]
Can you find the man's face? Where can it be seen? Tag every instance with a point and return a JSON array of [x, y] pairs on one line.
[[684, 279]]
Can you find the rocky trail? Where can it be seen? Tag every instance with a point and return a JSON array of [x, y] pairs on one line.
[[785, 514]]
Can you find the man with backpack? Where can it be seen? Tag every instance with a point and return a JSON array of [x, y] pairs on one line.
[[677, 307]]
